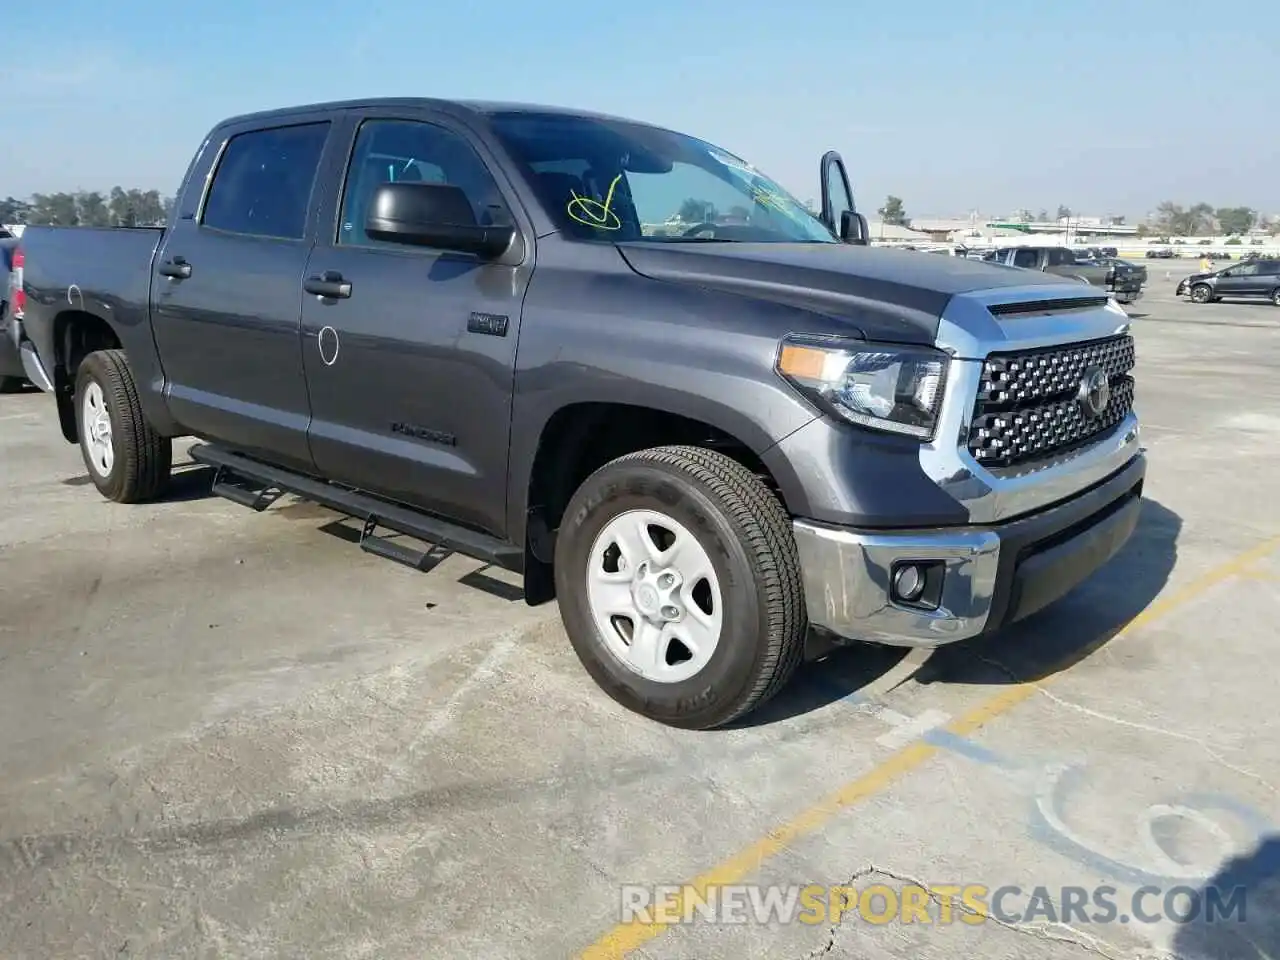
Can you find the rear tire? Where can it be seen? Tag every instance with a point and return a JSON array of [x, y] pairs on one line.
[[1201, 293], [128, 461], [1275, 296], [719, 638]]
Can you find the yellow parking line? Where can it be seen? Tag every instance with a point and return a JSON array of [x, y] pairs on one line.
[[625, 937]]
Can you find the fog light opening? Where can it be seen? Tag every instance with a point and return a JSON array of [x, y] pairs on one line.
[[908, 583]]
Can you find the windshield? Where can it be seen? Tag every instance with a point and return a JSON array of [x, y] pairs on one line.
[[612, 180]]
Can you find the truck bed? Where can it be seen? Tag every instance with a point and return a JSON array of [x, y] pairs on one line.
[[94, 267]]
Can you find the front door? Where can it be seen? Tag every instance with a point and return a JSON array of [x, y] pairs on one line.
[[411, 367], [227, 296]]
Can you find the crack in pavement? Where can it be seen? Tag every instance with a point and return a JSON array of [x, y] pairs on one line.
[[1171, 734], [1048, 931]]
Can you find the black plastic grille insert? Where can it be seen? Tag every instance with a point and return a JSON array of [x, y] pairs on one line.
[[1028, 404]]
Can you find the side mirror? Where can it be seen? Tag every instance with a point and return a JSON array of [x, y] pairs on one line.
[[433, 215], [854, 229]]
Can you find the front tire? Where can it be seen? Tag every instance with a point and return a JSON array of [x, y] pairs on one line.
[[1201, 293], [679, 585], [127, 459]]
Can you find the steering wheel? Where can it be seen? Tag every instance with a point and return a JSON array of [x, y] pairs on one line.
[[698, 228]]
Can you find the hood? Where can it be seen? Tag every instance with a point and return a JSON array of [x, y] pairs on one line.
[[895, 294]]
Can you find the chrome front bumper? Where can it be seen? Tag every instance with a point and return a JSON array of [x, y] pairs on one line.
[[990, 576]]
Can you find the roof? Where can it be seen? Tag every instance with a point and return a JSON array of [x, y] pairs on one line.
[[474, 107]]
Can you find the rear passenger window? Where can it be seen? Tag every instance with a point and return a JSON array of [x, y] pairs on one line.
[[1026, 258], [263, 182]]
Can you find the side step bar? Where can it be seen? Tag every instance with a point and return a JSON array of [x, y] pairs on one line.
[[257, 485]]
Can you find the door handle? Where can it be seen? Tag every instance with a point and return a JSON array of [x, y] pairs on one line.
[[329, 286], [177, 268]]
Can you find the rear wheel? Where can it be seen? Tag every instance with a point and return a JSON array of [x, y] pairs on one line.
[[127, 459], [1275, 296], [679, 585], [1201, 293]]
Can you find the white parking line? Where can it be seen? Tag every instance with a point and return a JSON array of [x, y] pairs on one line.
[[906, 729]]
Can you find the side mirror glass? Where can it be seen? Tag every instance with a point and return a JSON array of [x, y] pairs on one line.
[[854, 229], [433, 215]]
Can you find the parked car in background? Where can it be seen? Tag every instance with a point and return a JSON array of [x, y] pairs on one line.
[[1097, 253], [1122, 282], [12, 376], [1119, 262], [1253, 279]]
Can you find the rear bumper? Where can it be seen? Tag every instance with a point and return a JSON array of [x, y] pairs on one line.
[[18, 357], [977, 579]]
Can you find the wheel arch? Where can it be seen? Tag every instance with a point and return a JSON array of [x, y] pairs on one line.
[[581, 437], [76, 334]]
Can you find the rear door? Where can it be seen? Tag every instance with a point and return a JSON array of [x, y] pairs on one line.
[[1061, 261], [1026, 257], [411, 373], [1268, 277], [1238, 281], [227, 296]]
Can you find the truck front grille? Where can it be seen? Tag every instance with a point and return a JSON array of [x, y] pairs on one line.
[[1029, 404]]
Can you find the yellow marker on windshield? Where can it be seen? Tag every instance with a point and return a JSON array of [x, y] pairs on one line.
[[593, 213]]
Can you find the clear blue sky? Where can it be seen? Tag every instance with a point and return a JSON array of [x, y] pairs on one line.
[[950, 104]]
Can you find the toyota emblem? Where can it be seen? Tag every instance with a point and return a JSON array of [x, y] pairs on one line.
[[1095, 391]]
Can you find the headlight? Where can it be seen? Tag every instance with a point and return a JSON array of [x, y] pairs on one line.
[[882, 386]]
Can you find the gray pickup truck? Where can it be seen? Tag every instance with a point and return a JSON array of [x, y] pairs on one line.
[[487, 326], [1123, 280]]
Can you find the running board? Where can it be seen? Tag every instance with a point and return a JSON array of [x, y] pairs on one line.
[[230, 486], [257, 485]]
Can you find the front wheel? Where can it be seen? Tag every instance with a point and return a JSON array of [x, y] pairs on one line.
[[1201, 293], [679, 584], [127, 459]]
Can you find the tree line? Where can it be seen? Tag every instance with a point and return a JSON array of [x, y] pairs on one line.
[[1171, 219], [89, 208], [1199, 219]]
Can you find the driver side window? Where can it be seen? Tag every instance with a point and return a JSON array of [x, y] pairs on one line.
[[390, 151]]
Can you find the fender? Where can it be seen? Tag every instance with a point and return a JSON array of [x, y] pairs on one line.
[[609, 336]]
